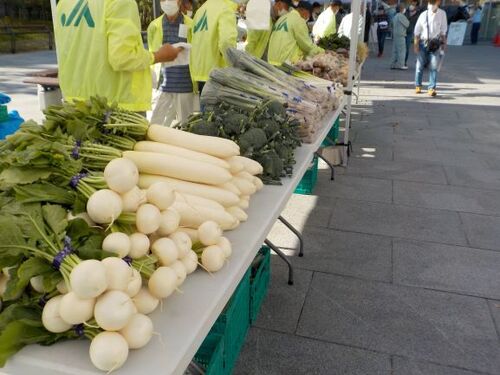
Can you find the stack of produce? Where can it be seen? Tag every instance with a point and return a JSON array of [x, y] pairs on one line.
[[251, 81], [265, 134], [328, 65], [85, 252], [334, 42]]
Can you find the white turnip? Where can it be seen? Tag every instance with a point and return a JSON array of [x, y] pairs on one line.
[[108, 351], [135, 284], [139, 245], [132, 199], [166, 251], [226, 247], [180, 270], [62, 287], [209, 233], [145, 302], [121, 175], [148, 218], [113, 310], [51, 318], [169, 222], [118, 243], [183, 243], [104, 206], [118, 273], [74, 310], [36, 283], [212, 258], [163, 282], [138, 331], [88, 279], [161, 195], [190, 262]]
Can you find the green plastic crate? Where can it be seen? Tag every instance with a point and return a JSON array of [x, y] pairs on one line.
[[233, 323], [259, 281], [4, 115], [211, 354], [333, 135], [308, 182]]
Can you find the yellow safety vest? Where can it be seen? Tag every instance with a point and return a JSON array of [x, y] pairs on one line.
[[257, 41], [290, 40], [100, 52], [214, 30]]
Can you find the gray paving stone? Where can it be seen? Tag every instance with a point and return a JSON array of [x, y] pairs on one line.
[[482, 231], [433, 133], [398, 221], [473, 177], [354, 187], [449, 268], [407, 366], [447, 197], [397, 170], [352, 254], [282, 307], [270, 353], [428, 325], [306, 210], [495, 312], [370, 151]]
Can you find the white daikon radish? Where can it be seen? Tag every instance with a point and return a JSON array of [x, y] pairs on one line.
[[138, 331], [163, 148], [180, 270], [113, 310], [82, 215], [104, 206], [163, 282], [161, 195], [244, 202], [62, 287], [235, 225], [166, 251], [178, 167], [238, 213], [246, 176], [258, 183], [190, 262], [169, 222], [209, 233], [148, 218], [193, 217], [246, 187], [195, 201], [36, 283], [235, 166], [213, 258], [139, 245], [118, 243], [191, 232], [145, 302], [118, 273], [108, 351], [132, 199], [218, 194], [182, 242], [88, 279], [121, 175], [135, 284], [51, 319], [251, 166], [226, 246], [215, 146], [229, 186], [74, 310]]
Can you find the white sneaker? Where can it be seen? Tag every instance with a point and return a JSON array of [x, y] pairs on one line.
[[404, 67]]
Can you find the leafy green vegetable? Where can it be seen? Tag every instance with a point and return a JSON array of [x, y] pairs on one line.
[[334, 41]]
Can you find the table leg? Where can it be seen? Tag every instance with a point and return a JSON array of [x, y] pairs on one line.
[[296, 232], [282, 256], [195, 369]]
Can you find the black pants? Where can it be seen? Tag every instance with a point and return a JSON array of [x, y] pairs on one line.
[[474, 34], [381, 34]]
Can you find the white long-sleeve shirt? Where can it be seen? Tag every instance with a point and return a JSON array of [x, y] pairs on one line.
[[324, 20], [345, 26], [438, 24]]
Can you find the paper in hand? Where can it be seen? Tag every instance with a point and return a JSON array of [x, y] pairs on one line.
[[182, 57]]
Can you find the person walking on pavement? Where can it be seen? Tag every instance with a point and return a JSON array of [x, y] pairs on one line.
[[174, 96], [399, 26], [290, 40], [213, 32], [100, 53], [477, 13], [382, 21], [430, 38], [412, 13]]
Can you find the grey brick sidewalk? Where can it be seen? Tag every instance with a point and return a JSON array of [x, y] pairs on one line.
[[401, 273]]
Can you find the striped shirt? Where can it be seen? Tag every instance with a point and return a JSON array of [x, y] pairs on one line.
[[176, 79]]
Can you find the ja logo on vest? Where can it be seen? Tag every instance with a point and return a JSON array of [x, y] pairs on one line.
[[282, 26], [202, 24], [79, 12]]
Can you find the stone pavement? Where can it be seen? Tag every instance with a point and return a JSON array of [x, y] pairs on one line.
[[401, 273]]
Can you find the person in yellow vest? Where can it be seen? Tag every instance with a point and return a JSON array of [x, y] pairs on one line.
[[290, 41], [173, 99], [214, 31], [257, 41], [326, 23], [100, 52]]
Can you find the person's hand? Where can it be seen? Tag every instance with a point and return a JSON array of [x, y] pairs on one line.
[[166, 53]]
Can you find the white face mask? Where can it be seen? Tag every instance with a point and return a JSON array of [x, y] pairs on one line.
[[282, 12], [169, 7], [412, 7], [189, 13]]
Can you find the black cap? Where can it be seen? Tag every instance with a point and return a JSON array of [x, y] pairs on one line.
[[304, 5], [337, 2]]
